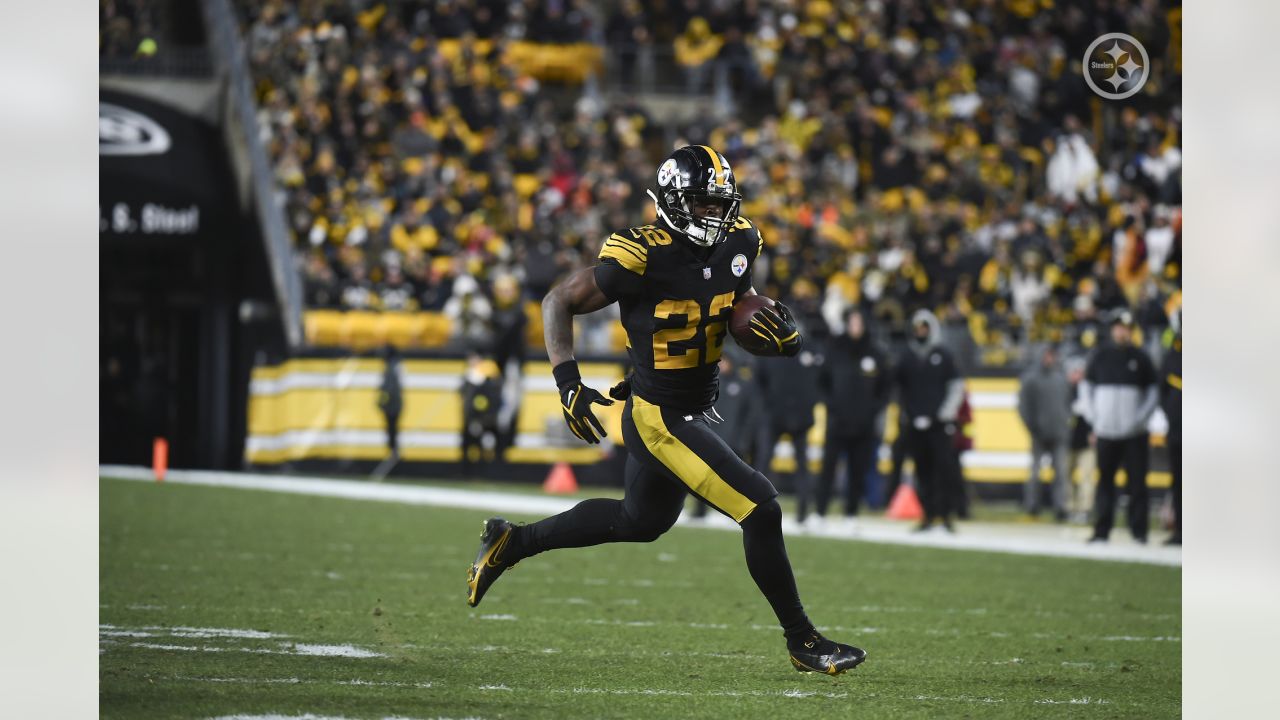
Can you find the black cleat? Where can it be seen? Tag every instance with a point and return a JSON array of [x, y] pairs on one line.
[[820, 655], [489, 562]]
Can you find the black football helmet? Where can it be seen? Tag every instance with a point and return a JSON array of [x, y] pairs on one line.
[[693, 176]]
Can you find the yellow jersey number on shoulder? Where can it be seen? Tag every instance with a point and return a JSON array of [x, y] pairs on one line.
[[665, 358]]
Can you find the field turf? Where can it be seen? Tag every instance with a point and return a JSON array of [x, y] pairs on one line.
[[217, 602]]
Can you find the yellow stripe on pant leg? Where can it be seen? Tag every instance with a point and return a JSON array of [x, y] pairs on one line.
[[685, 463]]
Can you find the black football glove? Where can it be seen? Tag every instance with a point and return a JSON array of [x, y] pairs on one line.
[[778, 328], [576, 400], [622, 390]]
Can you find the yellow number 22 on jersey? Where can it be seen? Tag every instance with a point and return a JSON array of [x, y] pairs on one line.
[[663, 356]]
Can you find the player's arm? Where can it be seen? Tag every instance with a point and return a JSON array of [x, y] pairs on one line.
[[579, 294]]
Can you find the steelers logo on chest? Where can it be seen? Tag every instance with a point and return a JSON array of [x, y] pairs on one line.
[[868, 365], [738, 265]]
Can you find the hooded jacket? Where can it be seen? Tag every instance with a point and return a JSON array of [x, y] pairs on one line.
[[929, 385]]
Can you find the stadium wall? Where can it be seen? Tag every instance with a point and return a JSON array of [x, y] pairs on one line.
[[321, 414]]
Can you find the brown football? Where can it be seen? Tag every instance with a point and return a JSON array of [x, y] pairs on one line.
[[743, 310]]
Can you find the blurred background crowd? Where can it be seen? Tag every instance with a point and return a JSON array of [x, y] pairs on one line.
[[897, 156]]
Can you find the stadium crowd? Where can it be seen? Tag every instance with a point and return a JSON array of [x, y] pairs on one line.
[[942, 155]]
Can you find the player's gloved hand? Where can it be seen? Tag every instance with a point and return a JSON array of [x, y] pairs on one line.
[[576, 400], [778, 326], [622, 390]]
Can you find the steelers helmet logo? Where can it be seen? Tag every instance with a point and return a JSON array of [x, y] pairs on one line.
[[667, 172], [739, 264], [1116, 66]]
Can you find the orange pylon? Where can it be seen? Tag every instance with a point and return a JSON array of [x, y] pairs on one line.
[[905, 504], [560, 480]]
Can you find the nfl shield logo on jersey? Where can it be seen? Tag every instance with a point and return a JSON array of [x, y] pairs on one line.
[[706, 273]]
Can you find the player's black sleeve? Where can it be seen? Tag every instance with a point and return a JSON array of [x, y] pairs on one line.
[[745, 283], [616, 281]]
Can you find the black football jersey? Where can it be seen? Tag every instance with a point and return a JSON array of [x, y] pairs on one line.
[[676, 307]]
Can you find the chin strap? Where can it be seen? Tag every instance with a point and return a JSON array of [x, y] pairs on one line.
[[701, 242]]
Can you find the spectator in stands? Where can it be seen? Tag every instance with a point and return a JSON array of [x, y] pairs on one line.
[[628, 33], [695, 50], [1044, 403], [1171, 403], [389, 127], [930, 392], [1073, 168], [856, 382], [1120, 394], [470, 312]]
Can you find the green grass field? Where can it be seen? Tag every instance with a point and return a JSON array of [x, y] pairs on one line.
[[218, 602]]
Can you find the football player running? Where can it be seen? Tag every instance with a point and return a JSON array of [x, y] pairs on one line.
[[676, 282]]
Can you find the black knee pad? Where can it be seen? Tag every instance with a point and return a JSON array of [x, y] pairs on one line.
[[766, 516]]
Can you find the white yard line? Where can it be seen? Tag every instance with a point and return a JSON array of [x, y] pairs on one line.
[[1047, 540]]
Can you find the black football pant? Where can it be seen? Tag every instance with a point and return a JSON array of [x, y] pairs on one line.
[[800, 443], [937, 483], [393, 431], [671, 454], [859, 452], [699, 505], [1175, 465], [1131, 453], [897, 458]]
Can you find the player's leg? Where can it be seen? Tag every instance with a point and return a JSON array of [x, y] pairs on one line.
[[861, 458], [804, 480], [1086, 475], [1175, 469], [921, 451], [898, 452], [948, 489], [1109, 455], [687, 448], [832, 448], [1031, 490], [1061, 479], [1135, 468], [650, 506]]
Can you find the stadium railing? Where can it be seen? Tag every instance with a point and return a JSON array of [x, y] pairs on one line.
[[251, 161]]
